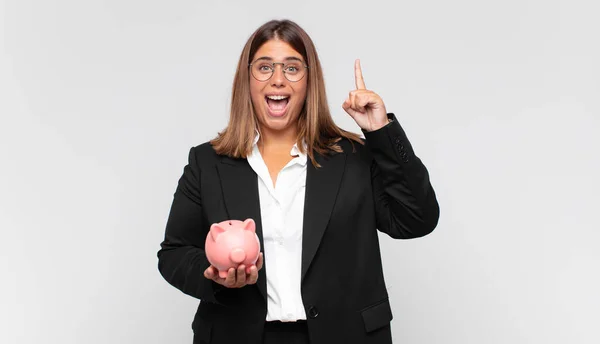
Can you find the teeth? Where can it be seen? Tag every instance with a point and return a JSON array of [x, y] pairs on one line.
[[277, 97]]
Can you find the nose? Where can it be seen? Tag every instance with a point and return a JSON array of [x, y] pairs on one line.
[[278, 77]]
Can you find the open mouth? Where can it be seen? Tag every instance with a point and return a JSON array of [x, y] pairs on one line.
[[277, 104]]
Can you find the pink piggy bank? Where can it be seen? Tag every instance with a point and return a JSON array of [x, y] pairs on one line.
[[232, 243]]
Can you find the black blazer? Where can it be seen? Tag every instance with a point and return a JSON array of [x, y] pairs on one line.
[[381, 185]]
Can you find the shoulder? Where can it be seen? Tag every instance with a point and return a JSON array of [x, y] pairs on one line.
[[205, 149], [203, 154], [358, 152], [353, 148]]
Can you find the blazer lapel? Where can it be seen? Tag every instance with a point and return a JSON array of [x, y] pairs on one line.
[[322, 186], [239, 183]]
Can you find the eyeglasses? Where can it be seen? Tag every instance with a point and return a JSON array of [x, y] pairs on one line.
[[294, 71]]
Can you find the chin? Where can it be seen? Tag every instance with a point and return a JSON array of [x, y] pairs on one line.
[[280, 118], [276, 123]]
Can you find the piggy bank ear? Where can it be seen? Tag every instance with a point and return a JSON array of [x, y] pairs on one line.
[[216, 230], [250, 225]]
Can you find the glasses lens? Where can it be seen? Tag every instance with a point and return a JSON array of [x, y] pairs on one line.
[[262, 71], [294, 71]]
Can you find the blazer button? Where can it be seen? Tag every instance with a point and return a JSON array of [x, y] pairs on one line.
[[313, 312]]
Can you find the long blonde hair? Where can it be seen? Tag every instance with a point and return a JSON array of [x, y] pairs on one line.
[[315, 124]]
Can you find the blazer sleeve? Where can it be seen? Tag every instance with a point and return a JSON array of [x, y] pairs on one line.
[[181, 258], [405, 202]]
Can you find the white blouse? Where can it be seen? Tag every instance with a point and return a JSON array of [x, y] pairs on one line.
[[282, 209]]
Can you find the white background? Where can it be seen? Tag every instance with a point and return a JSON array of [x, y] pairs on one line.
[[100, 102]]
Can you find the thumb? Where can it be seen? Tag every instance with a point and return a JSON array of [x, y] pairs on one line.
[[260, 261], [347, 106]]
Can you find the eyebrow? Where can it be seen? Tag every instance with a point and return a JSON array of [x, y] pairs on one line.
[[289, 58]]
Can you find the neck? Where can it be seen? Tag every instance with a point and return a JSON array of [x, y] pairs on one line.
[[277, 140]]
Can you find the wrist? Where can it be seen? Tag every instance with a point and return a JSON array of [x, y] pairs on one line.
[[380, 124]]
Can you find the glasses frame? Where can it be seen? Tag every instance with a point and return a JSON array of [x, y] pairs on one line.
[[272, 73]]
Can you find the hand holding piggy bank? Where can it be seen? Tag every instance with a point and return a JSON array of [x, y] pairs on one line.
[[233, 245]]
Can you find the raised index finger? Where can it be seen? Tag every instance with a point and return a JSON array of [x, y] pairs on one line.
[[358, 77]]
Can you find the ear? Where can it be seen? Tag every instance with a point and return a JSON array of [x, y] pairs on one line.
[[216, 230], [250, 225]]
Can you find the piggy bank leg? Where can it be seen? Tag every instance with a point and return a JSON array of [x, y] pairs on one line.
[[223, 274]]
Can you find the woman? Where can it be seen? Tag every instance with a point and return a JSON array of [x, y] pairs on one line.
[[317, 193]]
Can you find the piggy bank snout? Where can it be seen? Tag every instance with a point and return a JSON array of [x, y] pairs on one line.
[[237, 255]]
